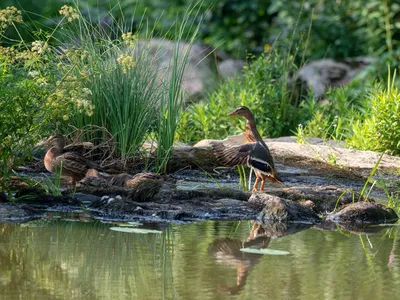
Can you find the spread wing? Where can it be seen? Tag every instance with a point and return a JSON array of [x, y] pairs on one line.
[[255, 155], [233, 156]]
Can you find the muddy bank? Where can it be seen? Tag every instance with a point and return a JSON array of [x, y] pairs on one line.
[[321, 178], [152, 197]]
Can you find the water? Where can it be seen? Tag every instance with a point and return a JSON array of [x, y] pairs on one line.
[[66, 259]]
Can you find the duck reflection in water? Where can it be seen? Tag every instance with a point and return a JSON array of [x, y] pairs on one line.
[[226, 251]]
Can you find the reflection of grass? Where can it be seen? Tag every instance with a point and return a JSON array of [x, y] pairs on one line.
[[368, 256]]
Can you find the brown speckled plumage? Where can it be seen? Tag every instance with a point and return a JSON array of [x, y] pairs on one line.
[[68, 159]]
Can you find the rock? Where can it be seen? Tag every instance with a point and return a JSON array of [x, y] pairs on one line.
[[3, 197], [231, 68], [327, 157], [183, 157], [13, 212], [200, 73], [86, 199], [321, 199], [364, 213], [35, 197], [355, 228], [320, 74], [276, 209], [172, 204]]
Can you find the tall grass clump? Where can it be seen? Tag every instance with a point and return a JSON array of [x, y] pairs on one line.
[[134, 94], [171, 99], [81, 73]]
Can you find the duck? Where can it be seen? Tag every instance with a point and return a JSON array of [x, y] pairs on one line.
[[69, 159], [255, 153]]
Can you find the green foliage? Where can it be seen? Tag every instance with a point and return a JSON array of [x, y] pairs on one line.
[[343, 106], [36, 98], [380, 130], [263, 88], [102, 80], [21, 115], [339, 29], [135, 92], [365, 117]]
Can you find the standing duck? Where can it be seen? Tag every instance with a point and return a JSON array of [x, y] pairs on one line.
[[68, 159], [255, 154]]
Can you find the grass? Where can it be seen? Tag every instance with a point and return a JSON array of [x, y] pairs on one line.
[[133, 93], [171, 98]]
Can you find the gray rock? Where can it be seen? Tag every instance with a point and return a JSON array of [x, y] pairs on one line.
[[276, 209], [12, 212], [320, 74], [231, 68], [200, 73], [364, 213], [86, 199]]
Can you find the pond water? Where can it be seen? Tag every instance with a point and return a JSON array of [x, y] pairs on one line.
[[62, 258]]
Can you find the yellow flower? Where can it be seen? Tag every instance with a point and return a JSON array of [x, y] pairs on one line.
[[267, 47], [69, 12], [10, 15], [39, 47], [129, 38], [127, 62]]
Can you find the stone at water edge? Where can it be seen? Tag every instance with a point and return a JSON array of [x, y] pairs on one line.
[[276, 209], [364, 213], [21, 212]]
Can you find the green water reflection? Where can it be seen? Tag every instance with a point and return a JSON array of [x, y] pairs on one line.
[[86, 260]]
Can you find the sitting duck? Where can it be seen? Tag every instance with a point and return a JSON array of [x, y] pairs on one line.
[[69, 159], [255, 153]]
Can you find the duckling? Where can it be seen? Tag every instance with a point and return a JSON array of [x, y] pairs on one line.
[[255, 154]]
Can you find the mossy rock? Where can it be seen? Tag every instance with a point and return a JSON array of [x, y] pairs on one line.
[[364, 213]]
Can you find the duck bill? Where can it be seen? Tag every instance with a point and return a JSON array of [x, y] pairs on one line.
[[234, 113], [45, 142]]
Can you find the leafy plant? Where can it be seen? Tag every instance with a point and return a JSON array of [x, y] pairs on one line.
[[263, 88], [380, 130]]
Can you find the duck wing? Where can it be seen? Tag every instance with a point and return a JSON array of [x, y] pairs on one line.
[[72, 162], [255, 155], [233, 156], [81, 148]]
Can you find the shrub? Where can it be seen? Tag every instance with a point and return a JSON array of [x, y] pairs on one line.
[[380, 130], [365, 116], [343, 105], [263, 87]]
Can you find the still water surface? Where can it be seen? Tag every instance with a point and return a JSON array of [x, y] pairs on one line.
[[63, 259]]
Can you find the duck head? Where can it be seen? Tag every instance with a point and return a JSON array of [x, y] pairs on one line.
[[57, 141], [242, 111]]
